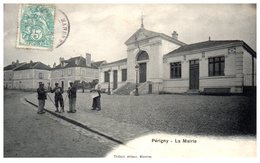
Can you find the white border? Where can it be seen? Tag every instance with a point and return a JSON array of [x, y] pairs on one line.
[[125, 2]]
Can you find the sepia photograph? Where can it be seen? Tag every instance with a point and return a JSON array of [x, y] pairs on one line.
[[127, 81]]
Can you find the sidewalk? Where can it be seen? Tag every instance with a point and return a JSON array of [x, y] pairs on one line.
[[94, 121]]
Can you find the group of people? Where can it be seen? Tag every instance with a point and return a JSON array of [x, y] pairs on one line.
[[58, 98]]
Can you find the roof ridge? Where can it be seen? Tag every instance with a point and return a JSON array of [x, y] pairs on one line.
[[211, 41], [151, 31], [203, 45]]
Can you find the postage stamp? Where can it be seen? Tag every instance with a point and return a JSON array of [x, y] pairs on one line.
[[36, 26]]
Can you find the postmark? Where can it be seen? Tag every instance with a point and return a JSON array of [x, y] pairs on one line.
[[62, 28], [36, 26]]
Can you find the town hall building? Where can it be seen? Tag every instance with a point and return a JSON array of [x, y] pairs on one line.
[[158, 63]]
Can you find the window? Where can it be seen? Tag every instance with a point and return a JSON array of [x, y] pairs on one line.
[[142, 55], [69, 72], [175, 70], [106, 76], [82, 72], [62, 72], [40, 75], [216, 66], [124, 74]]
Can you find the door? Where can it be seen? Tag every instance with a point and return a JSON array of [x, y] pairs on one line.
[[142, 72], [194, 74], [114, 79], [62, 85]]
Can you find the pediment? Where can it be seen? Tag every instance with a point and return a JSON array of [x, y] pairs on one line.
[[141, 34], [144, 34]]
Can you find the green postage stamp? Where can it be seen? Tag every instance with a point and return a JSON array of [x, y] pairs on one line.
[[36, 26]]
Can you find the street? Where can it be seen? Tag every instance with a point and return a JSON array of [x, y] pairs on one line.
[[27, 134], [134, 122]]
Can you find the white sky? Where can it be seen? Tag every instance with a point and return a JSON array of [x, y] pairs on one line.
[[102, 29]]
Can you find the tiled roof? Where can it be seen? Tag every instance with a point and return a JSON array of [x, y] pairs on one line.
[[33, 65], [204, 46], [13, 66], [72, 63], [81, 63], [150, 34], [116, 62]]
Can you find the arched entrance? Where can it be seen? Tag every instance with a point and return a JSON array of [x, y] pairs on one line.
[[142, 59]]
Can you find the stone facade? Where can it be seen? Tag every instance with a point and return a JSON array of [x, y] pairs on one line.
[[74, 69], [28, 76], [155, 45], [8, 79], [29, 79], [65, 75], [9, 74]]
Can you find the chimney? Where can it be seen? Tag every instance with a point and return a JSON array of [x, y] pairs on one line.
[[31, 62], [88, 59], [17, 61], [13, 63], [175, 35], [54, 64], [61, 61]]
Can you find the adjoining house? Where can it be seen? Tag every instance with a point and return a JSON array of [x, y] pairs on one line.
[[9, 74], [78, 69], [28, 75], [116, 72], [223, 66], [160, 63]]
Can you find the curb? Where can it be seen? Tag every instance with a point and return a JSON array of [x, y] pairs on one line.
[[78, 124]]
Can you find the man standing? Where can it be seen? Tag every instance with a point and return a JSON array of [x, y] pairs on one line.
[[41, 98], [72, 94], [58, 97]]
